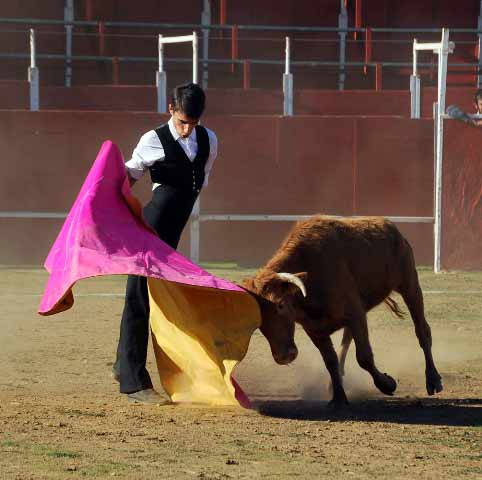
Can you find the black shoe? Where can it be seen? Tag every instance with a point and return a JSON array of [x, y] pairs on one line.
[[149, 397]]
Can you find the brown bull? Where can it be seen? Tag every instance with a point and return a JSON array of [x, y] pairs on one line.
[[326, 276]]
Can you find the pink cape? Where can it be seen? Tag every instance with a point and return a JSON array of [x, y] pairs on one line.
[[104, 235]]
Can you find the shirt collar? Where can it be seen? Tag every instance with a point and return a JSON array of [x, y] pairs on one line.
[[176, 135]]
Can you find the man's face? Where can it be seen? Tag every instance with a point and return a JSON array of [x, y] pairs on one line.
[[478, 105], [184, 125]]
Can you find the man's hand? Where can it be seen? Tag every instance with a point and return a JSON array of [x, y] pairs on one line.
[[476, 122]]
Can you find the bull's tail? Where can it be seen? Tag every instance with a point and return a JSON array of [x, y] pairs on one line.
[[393, 306]]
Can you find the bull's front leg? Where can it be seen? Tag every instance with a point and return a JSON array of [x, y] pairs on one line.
[[325, 346]]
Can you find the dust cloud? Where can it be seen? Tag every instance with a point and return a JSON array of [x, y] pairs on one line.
[[396, 352]]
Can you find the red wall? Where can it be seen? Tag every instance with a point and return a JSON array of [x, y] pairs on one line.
[[267, 165], [462, 198]]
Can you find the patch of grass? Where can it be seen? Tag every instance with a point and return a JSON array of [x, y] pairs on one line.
[[38, 449], [62, 454], [9, 443]]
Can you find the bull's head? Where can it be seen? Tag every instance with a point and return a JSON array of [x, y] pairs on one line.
[[280, 297]]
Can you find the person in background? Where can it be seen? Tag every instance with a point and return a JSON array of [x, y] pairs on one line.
[[456, 113], [478, 108]]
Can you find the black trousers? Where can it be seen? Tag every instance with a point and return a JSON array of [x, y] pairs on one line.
[[167, 213]]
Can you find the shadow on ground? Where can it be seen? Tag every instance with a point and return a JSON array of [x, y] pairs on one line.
[[443, 412]]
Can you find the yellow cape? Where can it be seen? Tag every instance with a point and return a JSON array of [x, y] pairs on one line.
[[199, 335]]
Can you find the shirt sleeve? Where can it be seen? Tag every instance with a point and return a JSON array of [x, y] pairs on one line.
[[213, 153], [148, 150]]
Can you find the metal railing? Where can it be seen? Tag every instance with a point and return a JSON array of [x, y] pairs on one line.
[[231, 33]]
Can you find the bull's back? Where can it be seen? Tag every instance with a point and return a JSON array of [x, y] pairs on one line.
[[370, 249]]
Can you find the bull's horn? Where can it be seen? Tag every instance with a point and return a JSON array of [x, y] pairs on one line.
[[289, 277]]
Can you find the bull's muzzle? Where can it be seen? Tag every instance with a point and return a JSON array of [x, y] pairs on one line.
[[286, 357]]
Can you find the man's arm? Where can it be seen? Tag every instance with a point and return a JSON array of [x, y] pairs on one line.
[[148, 150], [476, 122], [457, 114]]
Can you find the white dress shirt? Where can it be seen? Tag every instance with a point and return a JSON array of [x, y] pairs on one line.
[[150, 150]]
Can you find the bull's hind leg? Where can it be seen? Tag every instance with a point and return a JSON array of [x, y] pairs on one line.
[[325, 346], [357, 321], [412, 295]]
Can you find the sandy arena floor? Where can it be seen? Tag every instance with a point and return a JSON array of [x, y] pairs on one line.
[[61, 415]]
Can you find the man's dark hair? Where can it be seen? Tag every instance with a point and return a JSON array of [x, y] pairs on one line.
[[190, 99], [478, 95]]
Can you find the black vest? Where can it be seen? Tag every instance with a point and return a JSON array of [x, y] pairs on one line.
[[176, 170]]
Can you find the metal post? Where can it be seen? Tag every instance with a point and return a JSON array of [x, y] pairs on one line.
[[287, 83], [195, 58], [414, 96], [414, 86], [368, 49], [442, 49], [161, 81], [378, 77], [68, 17], [205, 20], [222, 12], [342, 25], [434, 116], [196, 211], [101, 38], [33, 75], [479, 36], [358, 17], [234, 46], [442, 84], [194, 231]]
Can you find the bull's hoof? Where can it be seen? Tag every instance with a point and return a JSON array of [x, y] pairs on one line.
[[331, 390], [337, 404], [386, 384], [434, 383]]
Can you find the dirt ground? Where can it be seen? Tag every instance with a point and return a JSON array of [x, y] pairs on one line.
[[61, 415]]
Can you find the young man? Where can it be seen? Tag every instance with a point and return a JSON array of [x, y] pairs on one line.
[[478, 108], [179, 156]]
